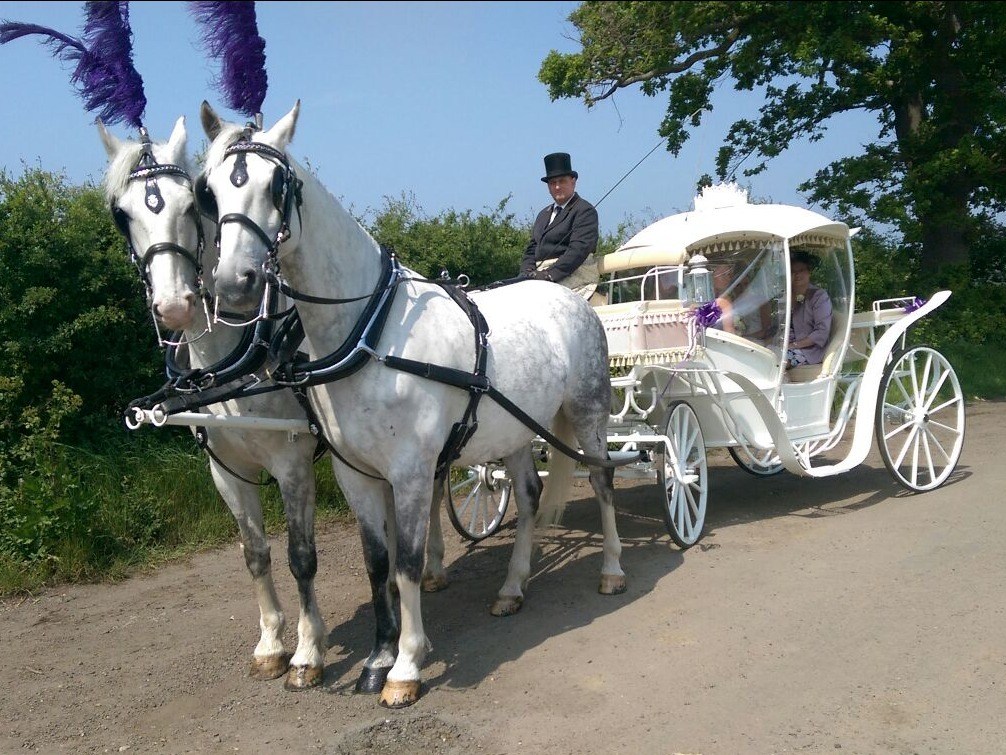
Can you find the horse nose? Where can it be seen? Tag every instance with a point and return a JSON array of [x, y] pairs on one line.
[[243, 288], [176, 313]]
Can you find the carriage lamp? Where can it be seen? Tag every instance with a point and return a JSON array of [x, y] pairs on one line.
[[698, 281]]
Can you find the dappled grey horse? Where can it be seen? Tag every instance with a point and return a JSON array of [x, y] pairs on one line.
[[369, 322]]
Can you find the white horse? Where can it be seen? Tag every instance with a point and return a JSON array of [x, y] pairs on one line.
[[546, 351], [166, 245]]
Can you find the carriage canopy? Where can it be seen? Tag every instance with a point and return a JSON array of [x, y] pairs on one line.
[[746, 248]]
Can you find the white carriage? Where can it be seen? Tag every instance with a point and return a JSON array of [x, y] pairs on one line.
[[683, 384]]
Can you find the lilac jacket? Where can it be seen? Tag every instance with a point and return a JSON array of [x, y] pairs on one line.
[[811, 318]]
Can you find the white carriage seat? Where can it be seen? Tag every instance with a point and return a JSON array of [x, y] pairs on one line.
[[829, 364], [646, 332]]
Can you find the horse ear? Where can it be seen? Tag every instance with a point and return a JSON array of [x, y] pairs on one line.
[[285, 127], [210, 120], [176, 142], [112, 145]]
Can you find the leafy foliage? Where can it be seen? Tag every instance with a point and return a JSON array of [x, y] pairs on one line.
[[933, 73], [485, 247], [75, 346]]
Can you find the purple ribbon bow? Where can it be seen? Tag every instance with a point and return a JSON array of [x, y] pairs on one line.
[[914, 304], [708, 314]]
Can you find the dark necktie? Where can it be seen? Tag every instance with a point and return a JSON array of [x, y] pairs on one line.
[[556, 209]]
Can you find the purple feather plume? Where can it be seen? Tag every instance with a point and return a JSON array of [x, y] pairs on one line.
[[230, 33], [104, 73]]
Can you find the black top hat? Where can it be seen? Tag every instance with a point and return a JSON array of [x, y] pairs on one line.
[[558, 164]]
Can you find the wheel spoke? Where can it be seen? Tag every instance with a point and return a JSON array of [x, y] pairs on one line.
[[900, 428], [935, 391], [929, 456], [949, 402], [908, 443]]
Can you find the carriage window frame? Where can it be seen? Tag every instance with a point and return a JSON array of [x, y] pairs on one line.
[[639, 284]]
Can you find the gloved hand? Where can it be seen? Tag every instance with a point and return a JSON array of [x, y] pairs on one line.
[[538, 275]]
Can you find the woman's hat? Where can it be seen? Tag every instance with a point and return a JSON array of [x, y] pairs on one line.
[[810, 260], [558, 164]]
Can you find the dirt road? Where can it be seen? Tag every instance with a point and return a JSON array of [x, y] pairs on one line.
[[816, 616]]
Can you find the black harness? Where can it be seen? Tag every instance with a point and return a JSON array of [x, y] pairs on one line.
[[293, 369]]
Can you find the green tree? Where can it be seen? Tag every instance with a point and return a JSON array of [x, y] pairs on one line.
[[75, 338], [934, 73], [486, 246]]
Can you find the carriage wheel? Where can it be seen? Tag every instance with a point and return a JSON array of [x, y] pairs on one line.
[[758, 463], [477, 499], [683, 475], [920, 418]]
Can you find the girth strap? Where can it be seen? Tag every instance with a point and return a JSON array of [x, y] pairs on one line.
[[462, 431]]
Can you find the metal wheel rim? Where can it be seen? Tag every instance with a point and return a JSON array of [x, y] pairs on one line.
[[920, 418], [684, 476], [477, 499]]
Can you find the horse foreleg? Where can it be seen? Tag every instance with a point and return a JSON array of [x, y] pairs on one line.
[[527, 491], [372, 504], [297, 486], [434, 574], [269, 660], [412, 515]]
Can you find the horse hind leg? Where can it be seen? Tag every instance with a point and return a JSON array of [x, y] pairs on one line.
[[269, 660], [297, 487], [612, 576], [591, 432], [434, 575], [527, 489]]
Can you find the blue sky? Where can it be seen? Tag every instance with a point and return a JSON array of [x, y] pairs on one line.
[[437, 101]]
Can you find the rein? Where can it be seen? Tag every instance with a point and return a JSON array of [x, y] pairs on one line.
[[366, 333]]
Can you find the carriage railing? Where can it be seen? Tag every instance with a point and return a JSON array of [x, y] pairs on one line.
[[868, 326]]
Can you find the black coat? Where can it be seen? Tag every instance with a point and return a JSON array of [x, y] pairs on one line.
[[569, 240]]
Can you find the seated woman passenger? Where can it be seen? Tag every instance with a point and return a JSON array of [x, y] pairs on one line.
[[810, 320]]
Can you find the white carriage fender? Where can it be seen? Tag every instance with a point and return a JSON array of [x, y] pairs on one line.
[[862, 438]]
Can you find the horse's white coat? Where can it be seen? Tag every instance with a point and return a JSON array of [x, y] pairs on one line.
[[174, 298], [547, 352]]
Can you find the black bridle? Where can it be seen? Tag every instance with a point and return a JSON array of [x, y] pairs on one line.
[[285, 190], [149, 170]]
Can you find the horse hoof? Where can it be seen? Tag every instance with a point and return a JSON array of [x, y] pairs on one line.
[[506, 605], [612, 584], [303, 677], [372, 680], [269, 667], [434, 583], [399, 694]]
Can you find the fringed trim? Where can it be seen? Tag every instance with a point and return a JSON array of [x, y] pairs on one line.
[[628, 320], [659, 356]]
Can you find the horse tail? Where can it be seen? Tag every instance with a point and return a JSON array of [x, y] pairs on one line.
[[560, 476]]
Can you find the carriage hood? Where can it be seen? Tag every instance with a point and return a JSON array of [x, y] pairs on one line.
[[721, 213]]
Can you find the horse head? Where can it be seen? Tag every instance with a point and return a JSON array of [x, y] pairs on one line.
[[249, 183], [149, 191]]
